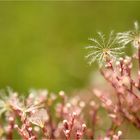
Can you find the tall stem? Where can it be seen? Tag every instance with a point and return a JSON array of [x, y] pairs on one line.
[[139, 65]]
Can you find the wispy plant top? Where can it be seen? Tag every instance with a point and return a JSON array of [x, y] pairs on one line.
[[132, 36], [104, 49]]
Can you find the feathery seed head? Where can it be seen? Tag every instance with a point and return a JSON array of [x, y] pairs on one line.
[[104, 49], [132, 36]]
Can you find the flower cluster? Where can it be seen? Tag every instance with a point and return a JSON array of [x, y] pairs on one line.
[[123, 102], [44, 115]]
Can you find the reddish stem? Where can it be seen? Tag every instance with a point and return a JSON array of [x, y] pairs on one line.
[[139, 65]]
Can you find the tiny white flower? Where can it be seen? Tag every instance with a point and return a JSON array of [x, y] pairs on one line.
[[119, 133]]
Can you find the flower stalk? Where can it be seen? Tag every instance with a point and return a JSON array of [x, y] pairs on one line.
[[139, 65]]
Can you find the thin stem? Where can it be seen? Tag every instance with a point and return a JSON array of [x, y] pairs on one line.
[[94, 119], [139, 65], [110, 132]]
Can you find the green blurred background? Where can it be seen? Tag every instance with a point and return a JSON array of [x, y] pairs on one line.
[[42, 43]]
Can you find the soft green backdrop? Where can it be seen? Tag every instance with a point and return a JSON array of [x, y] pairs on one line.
[[42, 43]]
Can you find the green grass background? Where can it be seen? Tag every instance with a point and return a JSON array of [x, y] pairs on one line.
[[42, 43]]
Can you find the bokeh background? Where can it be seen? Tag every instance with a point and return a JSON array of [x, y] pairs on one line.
[[42, 43]]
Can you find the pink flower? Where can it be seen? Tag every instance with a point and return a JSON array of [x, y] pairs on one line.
[[39, 117]]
